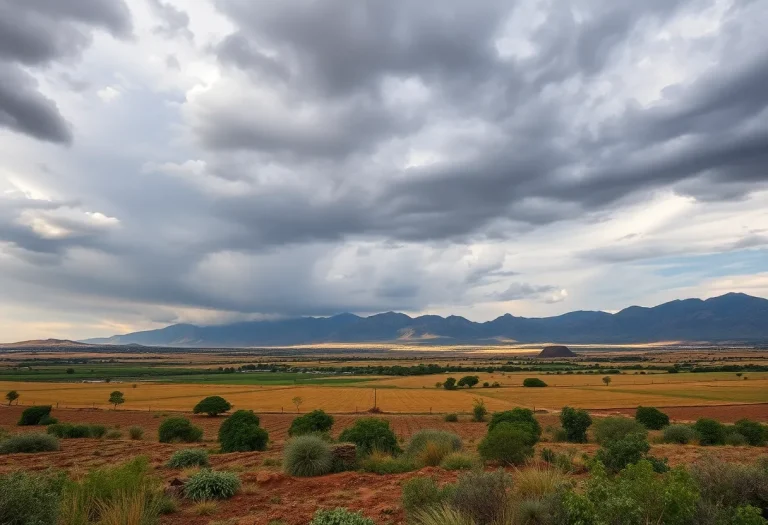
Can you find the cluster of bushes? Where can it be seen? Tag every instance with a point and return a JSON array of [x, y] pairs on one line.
[[708, 432], [74, 431], [37, 415], [29, 444]]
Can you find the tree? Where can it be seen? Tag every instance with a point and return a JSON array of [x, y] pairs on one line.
[[212, 405], [297, 401], [575, 422], [450, 383], [241, 432], [70, 370], [534, 382], [316, 421], [116, 398], [651, 418], [469, 381], [478, 410], [12, 396], [607, 380]]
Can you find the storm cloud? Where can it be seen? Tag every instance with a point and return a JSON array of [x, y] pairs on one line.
[[260, 158]]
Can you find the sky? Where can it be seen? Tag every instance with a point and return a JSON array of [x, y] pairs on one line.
[[209, 161]]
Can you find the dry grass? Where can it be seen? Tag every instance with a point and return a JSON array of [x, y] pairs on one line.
[[536, 482], [205, 508]]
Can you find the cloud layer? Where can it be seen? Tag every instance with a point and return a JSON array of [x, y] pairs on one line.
[[177, 161]]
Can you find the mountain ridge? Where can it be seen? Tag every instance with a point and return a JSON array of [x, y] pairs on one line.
[[730, 317]]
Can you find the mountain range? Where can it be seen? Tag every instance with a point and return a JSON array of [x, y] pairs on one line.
[[730, 317]]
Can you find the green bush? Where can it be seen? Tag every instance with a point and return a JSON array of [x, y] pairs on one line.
[[459, 461], [114, 434], [533, 382], [47, 420], [507, 443], [421, 493], [384, 463], [616, 427], [179, 430], [517, 415], [241, 432], [651, 418], [339, 517], [616, 454], [478, 410], [451, 418], [188, 457], [29, 444], [755, 433], [637, 496], [210, 484], [446, 441], [33, 415], [710, 432], [680, 434], [575, 422], [307, 456], [548, 455], [29, 499], [212, 405], [97, 431], [481, 496], [735, 439], [371, 434], [316, 421], [136, 433]]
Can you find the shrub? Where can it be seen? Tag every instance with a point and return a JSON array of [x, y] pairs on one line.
[[29, 498], [651, 418], [241, 432], [481, 496], [537, 482], [732, 484], [533, 382], [755, 433], [680, 434], [616, 427], [212, 405], [97, 431], [114, 434], [210, 484], [516, 415], [616, 454], [29, 444], [384, 463], [339, 517], [33, 415], [371, 434], [188, 457], [575, 422], [123, 494], [47, 420], [636, 496], [478, 410], [307, 456], [548, 455], [459, 461], [451, 418], [136, 433], [507, 443], [70, 431], [735, 439], [179, 429], [429, 447], [710, 432], [660, 465], [421, 493], [316, 421], [79, 431]]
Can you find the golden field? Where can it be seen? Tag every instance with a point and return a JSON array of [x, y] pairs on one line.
[[172, 396]]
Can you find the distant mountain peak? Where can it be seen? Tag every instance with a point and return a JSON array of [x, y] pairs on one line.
[[729, 317]]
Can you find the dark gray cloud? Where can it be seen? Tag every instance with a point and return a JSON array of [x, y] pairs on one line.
[[517, 291], [174, 21], [38, 33]]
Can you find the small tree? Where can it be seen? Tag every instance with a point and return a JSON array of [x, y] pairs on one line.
[[450, 383], [116, 398], [533, 382], [607, 380], [478, 410], [212, 405], [469, 381], [297, 401], [651, 418], [575, 423], [70, 370], [12, 396]]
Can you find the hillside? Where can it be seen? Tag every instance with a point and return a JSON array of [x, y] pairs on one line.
[[731, 317], [45, 343]]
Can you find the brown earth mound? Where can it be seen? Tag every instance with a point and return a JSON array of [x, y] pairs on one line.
[[556, 351]]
